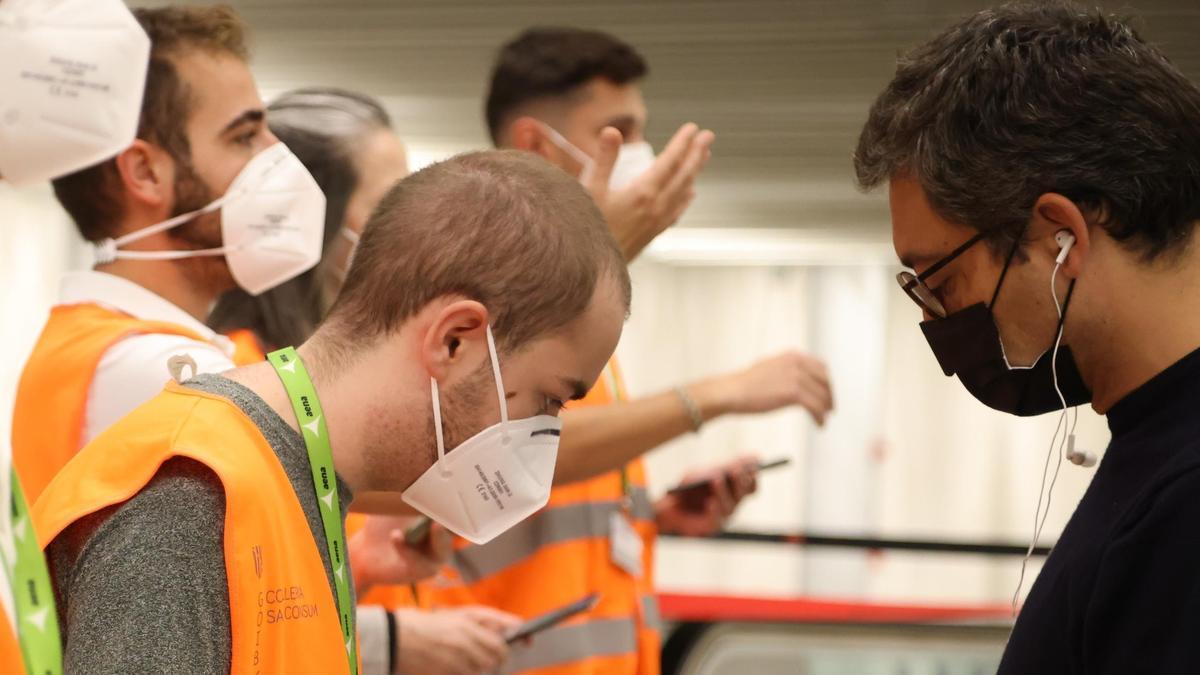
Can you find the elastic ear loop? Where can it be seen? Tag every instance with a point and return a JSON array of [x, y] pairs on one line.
[[1040, 517], [437, 427], [491, 341], [108, 250]]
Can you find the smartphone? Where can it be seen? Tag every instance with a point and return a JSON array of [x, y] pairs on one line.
[[705, 485], [552, 618], [417, 534]]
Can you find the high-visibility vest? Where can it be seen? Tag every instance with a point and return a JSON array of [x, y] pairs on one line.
[[283, 617], [247, 348], [559, 555], [10, 650], [52, 395]]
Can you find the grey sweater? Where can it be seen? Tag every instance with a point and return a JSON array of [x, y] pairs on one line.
[[141, 585]]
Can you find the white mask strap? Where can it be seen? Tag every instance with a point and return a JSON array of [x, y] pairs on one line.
[[437, 423], [567, 146], [108, 250], [349, 235], [496, 371]]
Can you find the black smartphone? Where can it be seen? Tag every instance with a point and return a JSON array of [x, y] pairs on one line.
[[552, 618], [694, 485], [417, 534], [694, 493]]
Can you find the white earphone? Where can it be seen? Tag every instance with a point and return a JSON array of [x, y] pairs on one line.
[[1066, 240]]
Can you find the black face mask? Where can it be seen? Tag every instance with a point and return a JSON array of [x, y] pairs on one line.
[[967, 343]]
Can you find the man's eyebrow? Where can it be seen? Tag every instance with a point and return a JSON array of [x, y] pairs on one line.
[[253, 115], [577, 387]]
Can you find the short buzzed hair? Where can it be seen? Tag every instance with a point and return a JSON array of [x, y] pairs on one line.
[[504, 228], [552, 62]]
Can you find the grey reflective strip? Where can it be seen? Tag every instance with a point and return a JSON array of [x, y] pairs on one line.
[[553, 525], [650, 615], [574, 642]]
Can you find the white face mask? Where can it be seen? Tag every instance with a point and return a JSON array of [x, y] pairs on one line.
[[633, 159], [493, 480], [272, 224], [72, 74]]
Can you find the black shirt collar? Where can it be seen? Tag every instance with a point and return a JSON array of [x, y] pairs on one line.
[[1176, 388]]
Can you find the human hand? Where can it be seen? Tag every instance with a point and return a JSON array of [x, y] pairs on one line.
[[702, 511], [460, 641], [382, 557], [654, 201], [790, 378]]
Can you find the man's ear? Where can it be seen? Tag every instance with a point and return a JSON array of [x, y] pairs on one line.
[[455, 341], [1053, 213], [148, 175], [526, 133]]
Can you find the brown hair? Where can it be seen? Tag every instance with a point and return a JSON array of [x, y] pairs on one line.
[[504, 228], [93, 196]]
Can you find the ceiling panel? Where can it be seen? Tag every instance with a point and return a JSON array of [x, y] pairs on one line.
[[785, 85]]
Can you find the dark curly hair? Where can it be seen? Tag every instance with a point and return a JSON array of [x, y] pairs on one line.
[[1025, 99]]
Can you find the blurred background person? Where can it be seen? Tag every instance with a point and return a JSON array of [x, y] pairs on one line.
[[346, 141]]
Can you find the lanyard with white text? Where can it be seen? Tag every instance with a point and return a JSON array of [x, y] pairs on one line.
[[311, 418], [36, 618]]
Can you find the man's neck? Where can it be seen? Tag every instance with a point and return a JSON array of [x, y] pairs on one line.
[[1150, 322], [345, 431], [166, 279]]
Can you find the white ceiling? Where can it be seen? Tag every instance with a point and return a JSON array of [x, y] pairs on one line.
[[785, 85]]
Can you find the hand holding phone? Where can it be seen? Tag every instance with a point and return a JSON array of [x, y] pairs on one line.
[[693, 494], [552, 618]]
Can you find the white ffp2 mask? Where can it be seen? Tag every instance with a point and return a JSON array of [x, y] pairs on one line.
[[72, 73], [494, 479], [272, 224], [633, 159]]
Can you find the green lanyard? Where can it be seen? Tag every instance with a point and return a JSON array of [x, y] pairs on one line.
[[311, 418], [37, 619]]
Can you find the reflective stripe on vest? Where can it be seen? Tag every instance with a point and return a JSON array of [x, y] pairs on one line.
[[282, 614], [553, 525], [650, 616], [51, 405], [575, 642]]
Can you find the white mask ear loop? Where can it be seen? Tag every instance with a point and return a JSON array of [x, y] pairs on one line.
[[585, 160], [499, 381], [437, 403], [108, 250], [437, 426], [1039, 516]]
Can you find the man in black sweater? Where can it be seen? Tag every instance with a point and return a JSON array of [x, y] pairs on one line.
[[1044, 173]]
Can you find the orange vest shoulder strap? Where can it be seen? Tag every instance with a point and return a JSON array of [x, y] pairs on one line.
[[50, 409], [247, 348], [283, 617]]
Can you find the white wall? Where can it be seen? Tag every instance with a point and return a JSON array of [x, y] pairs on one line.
[[908, 453], [37, 244]]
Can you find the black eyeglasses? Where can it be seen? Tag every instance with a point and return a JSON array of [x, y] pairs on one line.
[[914, 284]]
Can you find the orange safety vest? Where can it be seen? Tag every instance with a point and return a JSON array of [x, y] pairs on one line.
[[247, 349], [11, 660], [52, 395], [283, 617], [559, 555]]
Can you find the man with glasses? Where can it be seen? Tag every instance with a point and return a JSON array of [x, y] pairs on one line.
[[1044, 172]]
